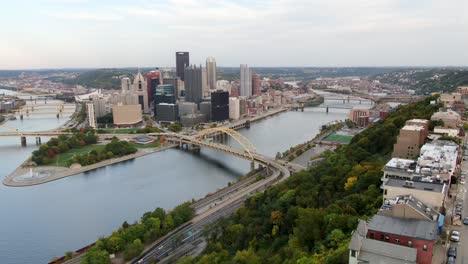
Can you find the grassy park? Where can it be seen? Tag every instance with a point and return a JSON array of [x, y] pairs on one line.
[[338, 138], [62, 159]]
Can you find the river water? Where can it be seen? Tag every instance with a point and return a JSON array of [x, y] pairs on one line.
[[43, 221]]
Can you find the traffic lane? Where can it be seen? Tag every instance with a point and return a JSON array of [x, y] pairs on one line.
[[462, 253]]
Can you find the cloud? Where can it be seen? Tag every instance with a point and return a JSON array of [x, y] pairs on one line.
[[258, 32], [86, 16]]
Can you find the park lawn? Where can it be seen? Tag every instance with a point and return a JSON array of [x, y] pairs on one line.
[[152, 145], [120, 131], [338, 138], [61, 160]]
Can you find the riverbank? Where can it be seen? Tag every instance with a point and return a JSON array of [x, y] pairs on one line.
[[26, 176]]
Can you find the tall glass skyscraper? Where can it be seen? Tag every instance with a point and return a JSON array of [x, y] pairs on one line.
[[182, 61], [245, 81]]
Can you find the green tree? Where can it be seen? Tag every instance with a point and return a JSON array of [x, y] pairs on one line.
[[133, 250]]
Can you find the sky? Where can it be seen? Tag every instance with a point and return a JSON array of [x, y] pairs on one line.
[[147, 33]]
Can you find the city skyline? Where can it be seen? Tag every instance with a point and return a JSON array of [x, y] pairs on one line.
[[87, 34]]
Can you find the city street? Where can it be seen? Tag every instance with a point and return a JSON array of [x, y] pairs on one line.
[[462, 253]]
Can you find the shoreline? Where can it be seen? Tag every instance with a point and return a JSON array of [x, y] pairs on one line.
[[56, 173]]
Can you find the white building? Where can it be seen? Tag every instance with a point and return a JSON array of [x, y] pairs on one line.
[[205, 88], [91, 115], [140, 89], [211, 72], [245, 81], [100, 107], [234, 108], [126, 85]]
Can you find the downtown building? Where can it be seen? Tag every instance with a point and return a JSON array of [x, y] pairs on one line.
[[153, 79], [182, 62], [211, 73], [140, 90], [245, 81], [193, 84], [219, 105]]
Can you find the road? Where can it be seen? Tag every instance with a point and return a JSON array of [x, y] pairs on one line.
[[462, 253], [168, 244]]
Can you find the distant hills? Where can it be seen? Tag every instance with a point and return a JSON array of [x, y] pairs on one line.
[[426, 81], [422, 80]]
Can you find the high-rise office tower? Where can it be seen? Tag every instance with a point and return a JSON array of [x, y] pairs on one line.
[[91, 115], [153, 79], [245, 81], [182, 61], [205, 89], [219, 105], [193, 84], [126, 85], [211, 72], [140, 89], [256, 84]]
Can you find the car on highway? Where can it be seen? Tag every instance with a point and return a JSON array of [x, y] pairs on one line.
[[452, 252], [465, 220], [455, 237], [458, 211]]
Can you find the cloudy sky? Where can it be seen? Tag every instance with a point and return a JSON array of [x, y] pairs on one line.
[[140, 33]]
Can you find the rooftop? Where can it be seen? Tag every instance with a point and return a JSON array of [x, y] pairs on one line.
[[413, 202], [421, 229], [417, 184], [413, 128], [375, 251]]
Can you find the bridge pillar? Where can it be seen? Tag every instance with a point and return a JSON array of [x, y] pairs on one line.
[[195, 149], [38, 141], [327, 109], [344, 101], [252, 165], [58, 115], [21, 116], [247, 124], [359, 101], [23, 141]]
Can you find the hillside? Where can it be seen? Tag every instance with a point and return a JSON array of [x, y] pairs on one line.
[[426, 81], [101, 78], [309, 217]]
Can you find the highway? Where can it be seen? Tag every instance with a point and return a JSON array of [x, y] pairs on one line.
[[231, 200]]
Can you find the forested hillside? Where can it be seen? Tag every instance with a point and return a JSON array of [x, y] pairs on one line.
[[426, 81], [309, 217], [101, 78]]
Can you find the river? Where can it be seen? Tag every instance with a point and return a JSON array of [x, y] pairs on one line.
[[43, 221]]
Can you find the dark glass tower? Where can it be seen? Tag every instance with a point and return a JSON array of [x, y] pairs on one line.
[[182, 61]]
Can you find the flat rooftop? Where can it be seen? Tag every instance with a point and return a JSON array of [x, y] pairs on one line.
[[421, 229], [413, 128], [417, 185]]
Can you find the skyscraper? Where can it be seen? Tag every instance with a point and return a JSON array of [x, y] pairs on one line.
[[245, 81], [126, 85], [205, 89], [140, 89], [153, 79], [182, 61], [211, 72], [193, 84], [219, 105], [256, 84]]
